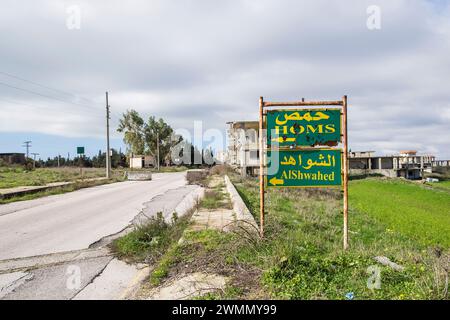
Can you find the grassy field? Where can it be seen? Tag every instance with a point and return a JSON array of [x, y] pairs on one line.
[[17, 176], [302, 256], [11, 177], [413, 210], [59, 190], [441, 185]]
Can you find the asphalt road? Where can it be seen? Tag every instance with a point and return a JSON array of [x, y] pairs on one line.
[[75, 220]]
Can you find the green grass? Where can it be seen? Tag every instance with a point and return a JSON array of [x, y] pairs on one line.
[[155, 242], [197, 251], [59, 190], [11, 177], [151, 240], [193, 253], [301, 256], [215, 198], [445, 183], [442, 185], [407, 208]]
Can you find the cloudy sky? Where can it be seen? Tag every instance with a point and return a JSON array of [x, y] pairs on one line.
[[210, 60]]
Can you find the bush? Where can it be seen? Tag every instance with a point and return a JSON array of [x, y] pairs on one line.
[[221, 169], [197, 177], [150, 240]]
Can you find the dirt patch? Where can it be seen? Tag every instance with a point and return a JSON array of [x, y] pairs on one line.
[[188, 286]]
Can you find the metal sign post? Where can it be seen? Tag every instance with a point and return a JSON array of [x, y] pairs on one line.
[[345, 142], [261, 167], [298, 143], [80, 152]]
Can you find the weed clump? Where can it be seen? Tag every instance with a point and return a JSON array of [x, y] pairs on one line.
[[149, 241]]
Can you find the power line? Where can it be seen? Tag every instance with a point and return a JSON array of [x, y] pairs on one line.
[[45, 86], [44, 107], [54, 89], [45, 96]]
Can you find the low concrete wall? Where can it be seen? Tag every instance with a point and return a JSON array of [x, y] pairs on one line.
[[239, 206], [139, 176], [362, 172], [190, 202]]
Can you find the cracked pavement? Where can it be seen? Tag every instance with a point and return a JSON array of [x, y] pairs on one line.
[[55, 247]]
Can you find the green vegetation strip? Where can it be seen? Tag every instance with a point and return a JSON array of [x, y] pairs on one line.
[[59, 190], [408, 208], [11, 177]]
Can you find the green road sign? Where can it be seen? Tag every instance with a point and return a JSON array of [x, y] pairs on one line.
[[303, 127], [304, 168], [80, 150]]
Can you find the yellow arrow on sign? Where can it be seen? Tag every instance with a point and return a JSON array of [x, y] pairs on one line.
[[275, 181], [281, 139]]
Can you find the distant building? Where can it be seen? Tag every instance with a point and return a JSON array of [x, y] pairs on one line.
[[243, 150], [440, 163], [13, 158], [360, 154], [407, 164], [221, 156], [140, 162]]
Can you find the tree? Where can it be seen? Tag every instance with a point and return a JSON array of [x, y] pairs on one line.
[[132, 126], [159, 132], [144, 138], [118, 159]]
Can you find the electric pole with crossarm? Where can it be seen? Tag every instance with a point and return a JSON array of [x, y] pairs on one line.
[[108, 156], [27, 144]]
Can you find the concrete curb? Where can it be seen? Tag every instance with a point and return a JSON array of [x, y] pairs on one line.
[[130, 293], [189, 201], [242, 212], [112, 283]]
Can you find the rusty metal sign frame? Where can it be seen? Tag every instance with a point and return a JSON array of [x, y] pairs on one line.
[[263, 149]]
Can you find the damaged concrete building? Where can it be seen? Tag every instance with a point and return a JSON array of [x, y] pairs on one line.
[[243, 150], [407, 164]]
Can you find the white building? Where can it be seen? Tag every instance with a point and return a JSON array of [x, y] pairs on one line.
[[243, 151], [221, 156], [140, 162]]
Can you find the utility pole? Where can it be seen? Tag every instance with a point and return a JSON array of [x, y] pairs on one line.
[[27, 144], [108, 157], [157, 148], [34, 159], [59, 156]]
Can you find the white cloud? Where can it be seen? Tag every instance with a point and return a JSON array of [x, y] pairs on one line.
[[211, 60]]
